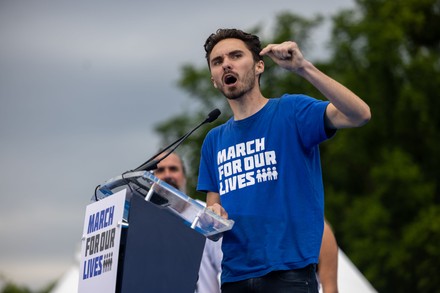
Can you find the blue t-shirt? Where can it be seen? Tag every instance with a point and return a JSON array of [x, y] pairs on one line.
[[267, 171]]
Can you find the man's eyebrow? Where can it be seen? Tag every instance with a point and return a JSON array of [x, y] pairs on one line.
[[235, 52], [217, 58]]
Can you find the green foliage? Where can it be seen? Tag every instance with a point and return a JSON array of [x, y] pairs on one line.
[[11, 287], [383, 177], [381, 180]]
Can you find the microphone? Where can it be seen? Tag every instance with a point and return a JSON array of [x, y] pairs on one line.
[[151, 163], [213, 115]]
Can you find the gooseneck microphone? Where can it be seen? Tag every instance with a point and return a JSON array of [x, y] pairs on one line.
[[151, 163]]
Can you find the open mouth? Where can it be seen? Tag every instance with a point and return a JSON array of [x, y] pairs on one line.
[[229, 79]]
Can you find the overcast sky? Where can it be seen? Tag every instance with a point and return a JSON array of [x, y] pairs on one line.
[[82, 84]]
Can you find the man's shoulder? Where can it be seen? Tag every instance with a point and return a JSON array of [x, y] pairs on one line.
[[294, 98]]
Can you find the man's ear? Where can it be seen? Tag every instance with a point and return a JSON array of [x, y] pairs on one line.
[[259, 67], [213, 82]]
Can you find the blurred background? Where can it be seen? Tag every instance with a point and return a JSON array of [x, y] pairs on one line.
[[91, 89]]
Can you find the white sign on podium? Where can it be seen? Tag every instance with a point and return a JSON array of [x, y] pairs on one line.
[[100, 244]]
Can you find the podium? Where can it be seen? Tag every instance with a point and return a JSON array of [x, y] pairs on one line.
[[163, 235]]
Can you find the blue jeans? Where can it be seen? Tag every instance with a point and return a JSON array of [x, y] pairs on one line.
[[292, 281]]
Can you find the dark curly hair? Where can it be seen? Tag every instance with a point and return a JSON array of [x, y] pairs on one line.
[[252, 42]]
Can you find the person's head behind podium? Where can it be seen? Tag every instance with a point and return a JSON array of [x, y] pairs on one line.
[[172, 171]]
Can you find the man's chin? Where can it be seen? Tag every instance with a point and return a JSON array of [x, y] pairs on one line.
[[233, 95]]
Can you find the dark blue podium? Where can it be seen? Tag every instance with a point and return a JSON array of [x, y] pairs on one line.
[[161, 254]]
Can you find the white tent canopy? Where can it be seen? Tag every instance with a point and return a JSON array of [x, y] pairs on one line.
[[350, 279]]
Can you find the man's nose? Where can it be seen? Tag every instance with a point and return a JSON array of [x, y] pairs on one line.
[[166, 173], [226, 64]]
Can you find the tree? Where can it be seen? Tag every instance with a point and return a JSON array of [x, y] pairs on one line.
[[8, 286], [11, 287], [382, 180], [383, 189]]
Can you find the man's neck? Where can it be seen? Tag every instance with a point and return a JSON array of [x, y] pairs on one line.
[[247, 105]]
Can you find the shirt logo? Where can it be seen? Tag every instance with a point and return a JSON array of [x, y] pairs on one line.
[[245, 164]]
